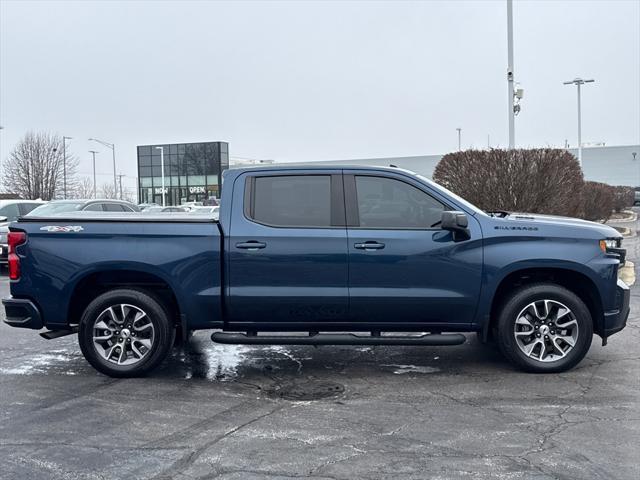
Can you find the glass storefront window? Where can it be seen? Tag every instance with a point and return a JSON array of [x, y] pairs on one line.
[[192, 171]]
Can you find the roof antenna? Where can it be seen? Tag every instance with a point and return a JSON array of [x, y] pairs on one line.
[[392, 165]]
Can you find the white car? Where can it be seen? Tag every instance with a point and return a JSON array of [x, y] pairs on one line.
[[10, 210]]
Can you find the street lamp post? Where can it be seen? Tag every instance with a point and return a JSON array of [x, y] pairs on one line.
[[578, 82], [512, 121], [459, 138], [162, 172], [112, 146], [93, 152], [64, 164]]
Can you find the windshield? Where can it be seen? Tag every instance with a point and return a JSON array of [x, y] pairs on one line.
[[54, 208], [449, 193]]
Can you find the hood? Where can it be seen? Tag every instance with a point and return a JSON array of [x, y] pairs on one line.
[[575, 225]]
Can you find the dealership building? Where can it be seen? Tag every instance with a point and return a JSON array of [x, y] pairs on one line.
[[192, 172]]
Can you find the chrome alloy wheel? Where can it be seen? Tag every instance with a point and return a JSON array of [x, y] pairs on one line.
[[123, 334], [546, 330]]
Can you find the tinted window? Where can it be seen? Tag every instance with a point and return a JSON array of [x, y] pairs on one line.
[[94, 207], [292, 201], [113, 207], [388, 203], [27, 207], [10, 211]]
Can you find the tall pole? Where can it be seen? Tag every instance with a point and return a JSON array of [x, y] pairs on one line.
[[64, 164], [512, 124], [93, 152], [459, 138], [579, 129], [112, 146], [115, 185], [162, 173], [120, 183], [578, 82]]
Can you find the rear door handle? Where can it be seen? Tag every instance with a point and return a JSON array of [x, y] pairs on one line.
[[370, 245], [251, 245]]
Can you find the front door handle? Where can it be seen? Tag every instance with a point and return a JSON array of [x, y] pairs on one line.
[[369, 246], [251, 245]]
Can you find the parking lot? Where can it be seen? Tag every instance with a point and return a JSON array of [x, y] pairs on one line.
[[236, 412]]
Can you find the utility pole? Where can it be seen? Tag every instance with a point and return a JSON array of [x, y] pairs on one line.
[[459, 138], [512, 126], [64, 164], [578, 82], [93, 152], [120, 182], [112, 146]]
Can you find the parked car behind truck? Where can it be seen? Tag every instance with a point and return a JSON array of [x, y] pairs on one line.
[[378, 252], [10, 210]]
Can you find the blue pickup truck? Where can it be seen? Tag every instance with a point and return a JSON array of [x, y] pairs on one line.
[[319, 256]]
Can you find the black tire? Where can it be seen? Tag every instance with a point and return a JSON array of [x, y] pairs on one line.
[[523, 297], [158, 316]]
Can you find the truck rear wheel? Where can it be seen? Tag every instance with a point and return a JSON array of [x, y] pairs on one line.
[[125, 333], [544, 328]]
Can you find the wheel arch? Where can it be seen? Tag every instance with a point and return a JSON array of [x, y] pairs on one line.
[[93, 283], [573, 280]]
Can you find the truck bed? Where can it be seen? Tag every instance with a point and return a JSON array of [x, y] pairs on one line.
[[63, 255]]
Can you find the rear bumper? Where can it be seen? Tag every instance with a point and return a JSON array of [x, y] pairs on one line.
[[616, 320], [22, 313]]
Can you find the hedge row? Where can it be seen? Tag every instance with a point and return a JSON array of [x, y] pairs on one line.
[[544, 180]]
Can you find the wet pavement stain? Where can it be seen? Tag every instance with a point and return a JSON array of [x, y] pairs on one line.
[[306, 390]]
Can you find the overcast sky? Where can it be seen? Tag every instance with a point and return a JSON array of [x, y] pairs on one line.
[[297, 81]]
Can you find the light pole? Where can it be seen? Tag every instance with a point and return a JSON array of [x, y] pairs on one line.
[[634, 159], [64, 164], [512, 123], [93, 152], [459, 138], [112, 146], [162, 172], [578, 82], [120, 184]]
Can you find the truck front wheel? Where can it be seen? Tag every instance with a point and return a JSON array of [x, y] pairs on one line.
[[125, 333], [544, 328]]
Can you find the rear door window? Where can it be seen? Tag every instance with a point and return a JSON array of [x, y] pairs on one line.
[[94, 207], [291, 201], [114, 207]]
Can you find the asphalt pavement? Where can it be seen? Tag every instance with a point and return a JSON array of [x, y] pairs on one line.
[[243, 412]]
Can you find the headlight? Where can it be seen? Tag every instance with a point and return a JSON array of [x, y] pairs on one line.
[[610, 243], [613, 247]]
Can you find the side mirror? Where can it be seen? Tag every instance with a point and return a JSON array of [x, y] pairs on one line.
[[3, 219], [457, 223]]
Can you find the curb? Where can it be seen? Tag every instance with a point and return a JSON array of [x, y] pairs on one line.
[[626, 232], [631, 217]]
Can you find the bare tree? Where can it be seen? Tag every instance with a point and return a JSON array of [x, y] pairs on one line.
[[84, 188], [35, 167], [108, 191]]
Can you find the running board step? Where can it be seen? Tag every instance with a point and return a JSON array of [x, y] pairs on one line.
[[338, 339]]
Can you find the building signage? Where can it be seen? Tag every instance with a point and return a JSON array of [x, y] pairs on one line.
[[159, 191], [196, 190]]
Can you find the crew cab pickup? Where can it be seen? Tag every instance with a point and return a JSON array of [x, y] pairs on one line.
[[318, 256]]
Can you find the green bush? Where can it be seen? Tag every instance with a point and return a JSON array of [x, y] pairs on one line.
[[544, 180]]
